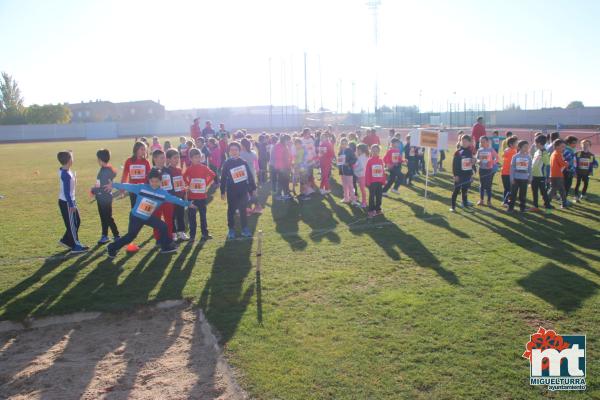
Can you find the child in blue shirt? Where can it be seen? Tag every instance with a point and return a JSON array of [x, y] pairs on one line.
[[150, 196]]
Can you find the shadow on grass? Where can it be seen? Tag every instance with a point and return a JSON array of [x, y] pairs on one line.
[[563, 289], [225, 297]]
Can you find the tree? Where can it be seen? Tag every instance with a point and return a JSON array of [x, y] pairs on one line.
[[576, 104], [48, 114], [512, 107], [11, 102]]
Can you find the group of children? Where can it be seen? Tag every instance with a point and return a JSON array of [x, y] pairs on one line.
[[549, 166], [163, 181]]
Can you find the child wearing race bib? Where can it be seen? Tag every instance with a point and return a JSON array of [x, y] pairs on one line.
[[165, 211], [183, 150], [557, 166], [539, 167], [462, 170], [104, 199], [282, 164], [507, 156], [362, 151], [67, 204], [496, 141], [393, 162], [136, 168], [520, 176], [487, 158], [239, 184], [149, 198], [326, 156], [341, 157], [569, 156], [177, 189], [347, 173], [585, 163], [410, 154], [198, 178], [374, 179]]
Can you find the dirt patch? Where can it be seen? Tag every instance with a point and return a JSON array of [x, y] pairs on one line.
[[151, 353]]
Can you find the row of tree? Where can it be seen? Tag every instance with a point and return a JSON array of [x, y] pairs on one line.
[[14, 112]]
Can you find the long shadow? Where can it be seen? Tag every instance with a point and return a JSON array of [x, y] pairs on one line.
[[49, 265], [433, 219], [522, 236], [391, 239], [40, 299], [563, 289], [319, 218], [224, 297], [286, 216], [180, 272]]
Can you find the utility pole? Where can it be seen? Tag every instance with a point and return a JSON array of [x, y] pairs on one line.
[[305, 87], [374, 7], [270, 97]]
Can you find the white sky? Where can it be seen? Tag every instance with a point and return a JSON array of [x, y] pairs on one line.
[[216, 53]]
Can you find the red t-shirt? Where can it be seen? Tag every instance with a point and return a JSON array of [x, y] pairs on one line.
[[371, 139], [136, 170], [392, 157], [326, 153], [477, 131], [198, 178], [374, 171]]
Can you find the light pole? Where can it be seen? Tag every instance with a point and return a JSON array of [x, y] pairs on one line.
[[374, 7]]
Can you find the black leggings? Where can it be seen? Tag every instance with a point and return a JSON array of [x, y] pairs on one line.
[[538, 185], [237, 202], [586, 181], [375, 193], [518, 187], [568, 182], [506, 186], [178, 218], [394, 178], [462, 186], [106, 218]]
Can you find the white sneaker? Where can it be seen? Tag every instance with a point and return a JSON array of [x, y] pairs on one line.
[[394, 191], [356, 204], [385, 194], [183, 236], [174, 237], [323, 191]]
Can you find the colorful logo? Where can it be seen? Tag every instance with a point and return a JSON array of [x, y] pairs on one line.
[[557, 361]]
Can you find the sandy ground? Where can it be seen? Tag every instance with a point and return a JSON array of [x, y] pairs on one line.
[[146, 354]]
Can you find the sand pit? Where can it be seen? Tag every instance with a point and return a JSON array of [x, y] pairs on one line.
[[150, 353]]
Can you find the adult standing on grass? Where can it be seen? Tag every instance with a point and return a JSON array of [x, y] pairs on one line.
[[195, 131], [371, 138], [208, 130], [478, 131]]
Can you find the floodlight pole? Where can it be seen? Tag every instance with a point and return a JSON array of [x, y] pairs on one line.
[[374, 7]]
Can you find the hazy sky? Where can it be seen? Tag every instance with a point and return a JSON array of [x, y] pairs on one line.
[[216, 53]]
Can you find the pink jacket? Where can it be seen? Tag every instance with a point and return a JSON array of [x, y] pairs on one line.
[[282, 157]]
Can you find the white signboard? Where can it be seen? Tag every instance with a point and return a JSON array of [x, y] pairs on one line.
[[429, 138]]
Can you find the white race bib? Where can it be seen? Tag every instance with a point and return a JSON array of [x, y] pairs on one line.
[[97, 183], [377, 171], [146, 206], [165, 182], [496, 141], [178, 183], [197, 185], [521, 164], [322, 150], [411, 152], [137, 171], [466, 164], [584, 163], [239, 174], [341, 160], [395, 158]]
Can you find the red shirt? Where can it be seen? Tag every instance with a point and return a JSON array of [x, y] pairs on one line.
[[195, 131], [477, 131], [371, 139], [198, 178], [177, 181], [136, 170], [326, 153], [374, 171], [392, 157]]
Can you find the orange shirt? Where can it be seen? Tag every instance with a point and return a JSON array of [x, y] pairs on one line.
[[506, 159], [557, 164]]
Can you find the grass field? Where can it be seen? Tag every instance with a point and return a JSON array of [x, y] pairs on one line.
[[410, 305]]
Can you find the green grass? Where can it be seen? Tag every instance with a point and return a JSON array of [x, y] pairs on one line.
[[412, 305]]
